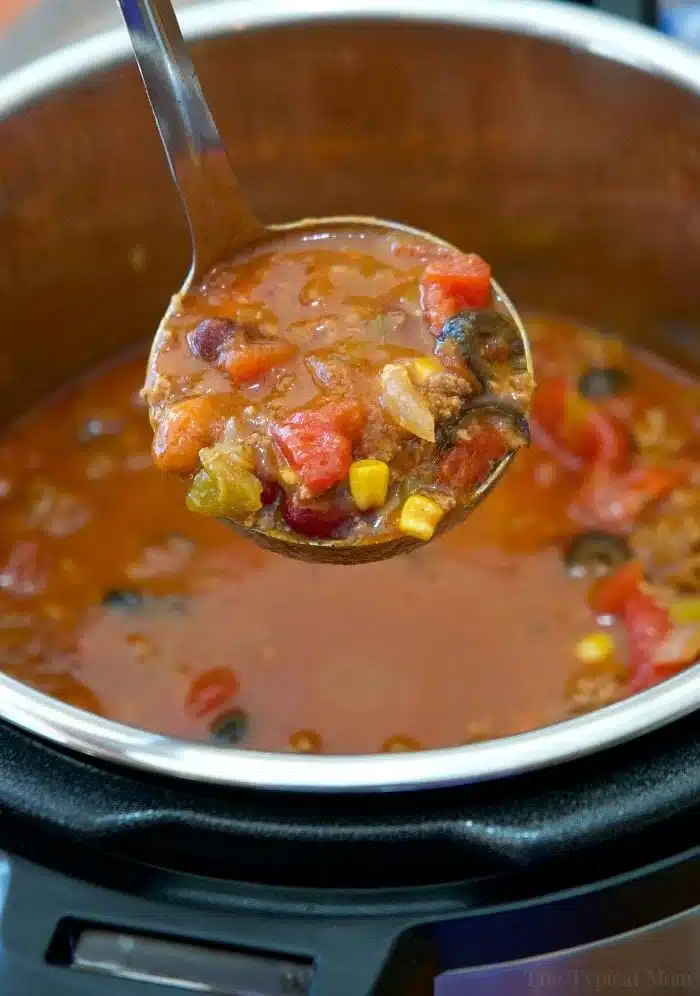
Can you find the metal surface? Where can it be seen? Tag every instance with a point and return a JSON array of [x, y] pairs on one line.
[[580, 183], [191, 967], [217, 211]]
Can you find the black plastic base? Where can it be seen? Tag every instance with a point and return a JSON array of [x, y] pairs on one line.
[[62, 934]]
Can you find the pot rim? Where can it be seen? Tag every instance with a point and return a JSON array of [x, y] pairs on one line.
[[85, 733]]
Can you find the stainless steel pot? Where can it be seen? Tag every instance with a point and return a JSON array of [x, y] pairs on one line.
[[563, 144]]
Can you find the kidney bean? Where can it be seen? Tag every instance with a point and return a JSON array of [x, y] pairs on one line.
[[270, 492], [318, 520], [210, 337]]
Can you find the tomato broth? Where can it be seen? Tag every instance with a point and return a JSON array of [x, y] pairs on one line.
[[576, 582]]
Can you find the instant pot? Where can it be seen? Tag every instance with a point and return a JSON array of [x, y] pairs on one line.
[[566, 144]]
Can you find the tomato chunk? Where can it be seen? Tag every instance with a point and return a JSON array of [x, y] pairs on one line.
[[210, 691], [583, 434], [617, 502], [452, 284], [647, 625], [252, 361], [467, 464], [318, 443], [609, 595], [344, 417]]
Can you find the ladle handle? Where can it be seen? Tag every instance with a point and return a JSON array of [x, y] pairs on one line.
[[217, 210]]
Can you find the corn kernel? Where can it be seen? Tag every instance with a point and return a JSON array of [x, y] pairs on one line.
[[369, 483], [420, 517], [595, 648], [424, 367]]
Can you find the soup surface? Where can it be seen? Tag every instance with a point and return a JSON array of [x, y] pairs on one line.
[[115, 598], [355, 384]]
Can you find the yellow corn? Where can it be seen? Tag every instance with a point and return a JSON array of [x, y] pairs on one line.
[[595, 648], [369, 483], [420, 517], [685, 611], [424, 367]]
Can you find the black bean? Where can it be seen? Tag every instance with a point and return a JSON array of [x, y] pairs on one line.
[[230, 728], [595, 553], [123, 599], [603, 382]]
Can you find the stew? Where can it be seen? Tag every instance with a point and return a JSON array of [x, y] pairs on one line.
[[575, 583], [348, 383]]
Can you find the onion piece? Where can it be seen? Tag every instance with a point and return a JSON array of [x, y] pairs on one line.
[[404, 404]]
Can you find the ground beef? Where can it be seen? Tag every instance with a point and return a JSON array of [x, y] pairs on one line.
[[669, 543], [331, 373], [445, 394], [381, 440], [593, 691], [514, 387]]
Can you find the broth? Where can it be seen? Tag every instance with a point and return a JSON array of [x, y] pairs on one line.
[[115, 598]]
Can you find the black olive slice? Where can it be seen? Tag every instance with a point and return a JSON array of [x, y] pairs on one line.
[[123, 599], [598, 383], [476, 331], [446, 432], [230, 728], [595, 553]]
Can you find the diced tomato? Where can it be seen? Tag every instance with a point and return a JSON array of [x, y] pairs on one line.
[[583, 434], [646, 622], [344, 417], [210, 691], [321, 459], [610, 595], [647, 625], [452, 284], [252, 361], [467, 464], [318, 443], [617, 501], [606, 441]]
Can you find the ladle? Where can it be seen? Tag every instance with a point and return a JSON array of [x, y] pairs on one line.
[[222, 224]]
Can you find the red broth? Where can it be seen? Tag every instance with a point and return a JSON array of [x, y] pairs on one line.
[[115, 598]]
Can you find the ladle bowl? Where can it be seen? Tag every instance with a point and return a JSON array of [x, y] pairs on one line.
[[222, 224]]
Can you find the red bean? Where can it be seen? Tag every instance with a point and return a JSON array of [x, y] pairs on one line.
[[210, 336], [211, 691], [317, 520], [269, 493]]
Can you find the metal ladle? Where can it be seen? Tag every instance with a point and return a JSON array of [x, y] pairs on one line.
[[222, 224]]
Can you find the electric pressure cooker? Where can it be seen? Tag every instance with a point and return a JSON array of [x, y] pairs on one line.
[[566, 860]]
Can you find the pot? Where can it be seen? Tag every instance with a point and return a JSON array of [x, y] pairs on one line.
[[560, 143]]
